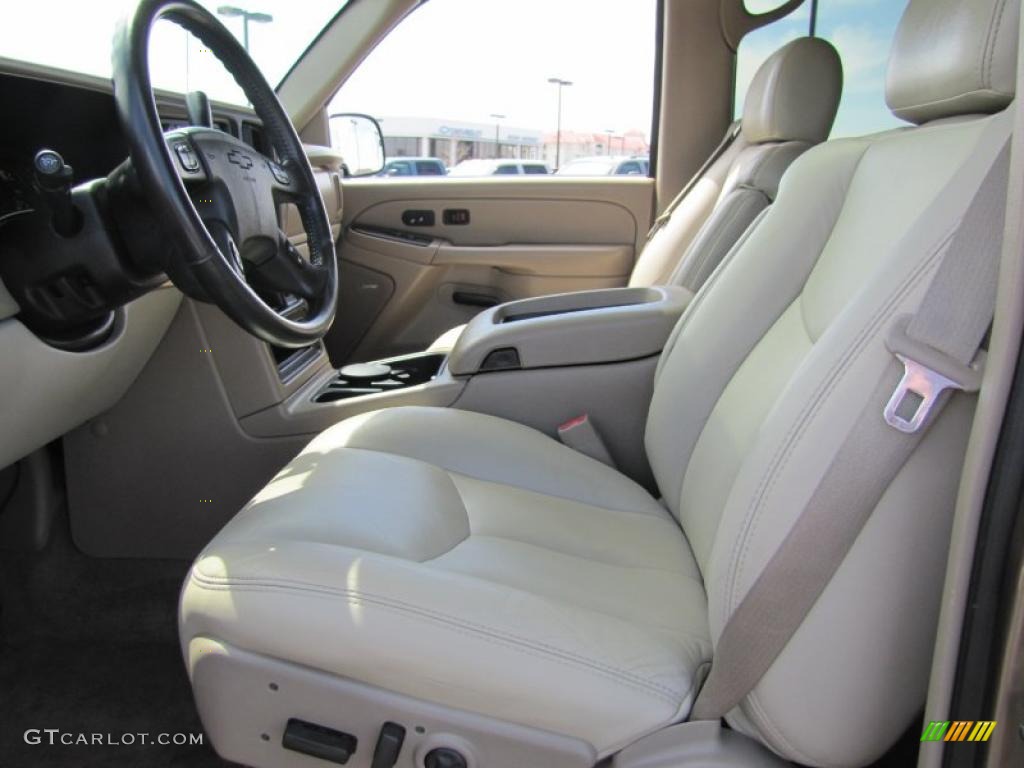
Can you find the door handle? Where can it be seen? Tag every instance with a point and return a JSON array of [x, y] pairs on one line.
[[471, 299]]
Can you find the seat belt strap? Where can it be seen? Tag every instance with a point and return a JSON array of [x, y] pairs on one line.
[[723, 146], [936, 346]]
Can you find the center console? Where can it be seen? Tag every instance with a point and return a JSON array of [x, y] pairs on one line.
[[380, 376], [239, 410], [569, 329]]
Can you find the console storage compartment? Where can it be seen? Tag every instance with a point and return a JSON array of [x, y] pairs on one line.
[[579, 328]]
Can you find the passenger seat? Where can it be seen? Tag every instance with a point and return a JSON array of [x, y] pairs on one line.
[[790, 107]]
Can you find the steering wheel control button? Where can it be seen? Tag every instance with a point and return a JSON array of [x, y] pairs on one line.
[[443, 757], [365, 372], [188, 159], [318, 741], [280, 173]]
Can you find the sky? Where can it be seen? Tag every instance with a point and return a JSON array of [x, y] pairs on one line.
[[861, 30], [469, 59]]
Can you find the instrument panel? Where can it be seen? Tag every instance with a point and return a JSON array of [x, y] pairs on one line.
[[16, 196]]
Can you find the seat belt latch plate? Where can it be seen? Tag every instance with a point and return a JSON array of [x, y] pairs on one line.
[[923, 383], [915, 396]]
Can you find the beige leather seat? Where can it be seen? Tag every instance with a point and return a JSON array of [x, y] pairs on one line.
[[470, 577], [789, 107]]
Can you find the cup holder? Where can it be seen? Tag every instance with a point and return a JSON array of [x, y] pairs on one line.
[[380, 376]]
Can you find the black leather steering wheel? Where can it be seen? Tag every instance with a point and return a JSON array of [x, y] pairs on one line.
[[218, 199]]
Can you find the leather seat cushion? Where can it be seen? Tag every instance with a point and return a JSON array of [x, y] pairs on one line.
[[541, 586]]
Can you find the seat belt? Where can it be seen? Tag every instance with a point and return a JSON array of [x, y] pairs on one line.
[[723, 146], [936, 347]]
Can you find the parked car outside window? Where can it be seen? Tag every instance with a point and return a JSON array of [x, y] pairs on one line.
[[492, 167], [414, 166], [605, 166]]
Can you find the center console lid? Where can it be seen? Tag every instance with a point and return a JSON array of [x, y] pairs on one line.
[[579, 328]]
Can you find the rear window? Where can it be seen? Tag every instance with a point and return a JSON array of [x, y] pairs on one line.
[[536, 170], [507, 170]]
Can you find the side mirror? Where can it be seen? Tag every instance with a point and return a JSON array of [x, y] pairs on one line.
[[360, 141]]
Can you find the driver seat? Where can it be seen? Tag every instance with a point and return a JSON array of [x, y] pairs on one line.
[[495, 594]]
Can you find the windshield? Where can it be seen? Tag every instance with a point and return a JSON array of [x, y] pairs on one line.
[[76, 34]]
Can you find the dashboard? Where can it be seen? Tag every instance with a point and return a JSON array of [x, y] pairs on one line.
[[48, 389], [75, 115]]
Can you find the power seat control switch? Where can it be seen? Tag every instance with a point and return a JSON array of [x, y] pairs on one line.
[[389, 746], [319, 741]]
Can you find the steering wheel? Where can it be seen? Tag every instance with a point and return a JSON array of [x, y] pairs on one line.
[[217, 198]]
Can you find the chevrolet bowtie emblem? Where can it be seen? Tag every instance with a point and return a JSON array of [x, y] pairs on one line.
[[240, 159]]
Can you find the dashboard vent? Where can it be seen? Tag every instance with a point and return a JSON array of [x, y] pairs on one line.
[[253, 135]]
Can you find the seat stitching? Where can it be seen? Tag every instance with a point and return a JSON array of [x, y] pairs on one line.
[[988, 54], [510, 485], [805, 418], [705, 290], [697, 265], [585, 558], [490, 634], [667, 519], [731, 576], [760, 716]]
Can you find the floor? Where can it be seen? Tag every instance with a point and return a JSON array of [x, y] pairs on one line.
[[89, 646]]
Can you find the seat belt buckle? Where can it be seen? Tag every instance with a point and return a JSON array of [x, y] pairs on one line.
[[580, 434], [927, 374]]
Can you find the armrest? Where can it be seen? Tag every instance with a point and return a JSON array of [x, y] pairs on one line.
[[579, 328]]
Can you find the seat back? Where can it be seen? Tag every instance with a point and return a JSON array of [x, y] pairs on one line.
[[789, 107], [779, 354]]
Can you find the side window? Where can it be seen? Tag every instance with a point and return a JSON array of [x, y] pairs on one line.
[[535, 170], [443, 88], [427, 168], [630, 168], [861, 32], [398, 168], [507, 170]]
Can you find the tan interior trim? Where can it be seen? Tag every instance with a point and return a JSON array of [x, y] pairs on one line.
[[998, 380], [696, 92], [334, 56], [737, 21]]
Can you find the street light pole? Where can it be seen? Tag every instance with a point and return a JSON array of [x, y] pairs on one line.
[[609, 132], [558, 130], [497, 134], [256, 17]]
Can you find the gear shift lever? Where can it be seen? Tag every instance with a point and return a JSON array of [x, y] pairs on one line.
[[54, 179]]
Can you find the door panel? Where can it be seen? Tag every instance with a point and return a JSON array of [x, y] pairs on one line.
[[524, 237]]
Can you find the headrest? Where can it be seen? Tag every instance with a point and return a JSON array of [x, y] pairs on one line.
[[953, 57], [795, 94]]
